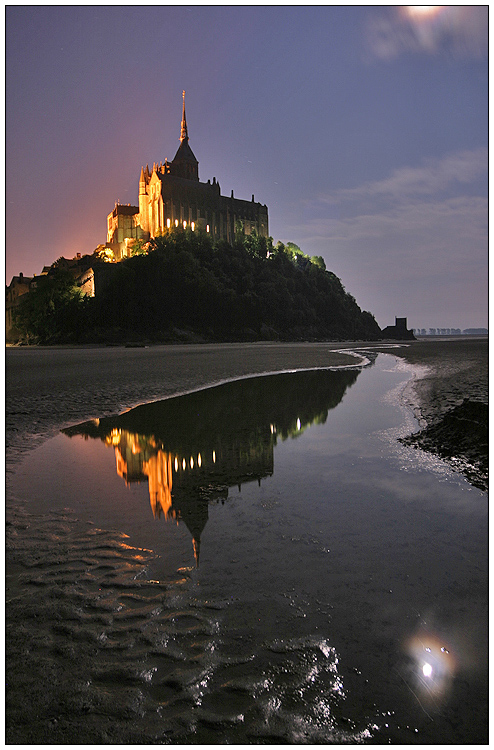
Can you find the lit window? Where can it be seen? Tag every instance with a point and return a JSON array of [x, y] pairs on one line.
[[168, 222], [207, 227]]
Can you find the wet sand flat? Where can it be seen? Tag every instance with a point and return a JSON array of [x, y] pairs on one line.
[[56, 565], [48, 388], [458, 370]]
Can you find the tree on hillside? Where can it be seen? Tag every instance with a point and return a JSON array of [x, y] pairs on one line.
[[139, 247], [318, 260], [186, 281], [53, 311], [105, 254]]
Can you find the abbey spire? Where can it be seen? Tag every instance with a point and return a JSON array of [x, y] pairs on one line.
[[184, 164], [184, 136], [171, 195]]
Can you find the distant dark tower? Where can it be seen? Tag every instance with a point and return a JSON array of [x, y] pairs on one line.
[[184, 164]]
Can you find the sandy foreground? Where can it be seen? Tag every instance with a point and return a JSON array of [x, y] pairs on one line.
[[48, 388]]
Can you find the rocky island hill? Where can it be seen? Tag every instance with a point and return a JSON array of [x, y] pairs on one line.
[[185, 286]]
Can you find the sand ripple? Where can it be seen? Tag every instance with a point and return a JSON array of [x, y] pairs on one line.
[[111, 656]]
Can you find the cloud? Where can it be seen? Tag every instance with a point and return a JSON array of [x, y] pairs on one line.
[[449, 231], [417, 239], [459, 31], [432, 205], [432, 176]]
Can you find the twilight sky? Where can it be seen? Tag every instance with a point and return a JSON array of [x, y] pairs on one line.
[[363, 128]]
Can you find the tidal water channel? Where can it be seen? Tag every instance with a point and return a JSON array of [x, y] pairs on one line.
[[258, 562]]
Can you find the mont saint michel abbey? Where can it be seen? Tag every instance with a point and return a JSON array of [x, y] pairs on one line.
[[171, 195]]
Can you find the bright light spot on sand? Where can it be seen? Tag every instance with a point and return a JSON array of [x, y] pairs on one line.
[[427, 670], [431, 669]]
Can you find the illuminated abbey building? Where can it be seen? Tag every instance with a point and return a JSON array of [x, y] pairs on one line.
[[171, 195]]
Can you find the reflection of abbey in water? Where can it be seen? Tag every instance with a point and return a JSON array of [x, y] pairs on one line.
[[180, 485], [191, 449]]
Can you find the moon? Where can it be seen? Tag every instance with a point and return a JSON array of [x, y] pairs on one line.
[[422, 11]]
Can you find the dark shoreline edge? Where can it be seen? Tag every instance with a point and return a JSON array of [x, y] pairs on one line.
[[450, 400], [461, 439]]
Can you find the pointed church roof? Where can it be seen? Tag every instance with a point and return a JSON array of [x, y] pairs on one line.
[[184, 152]]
